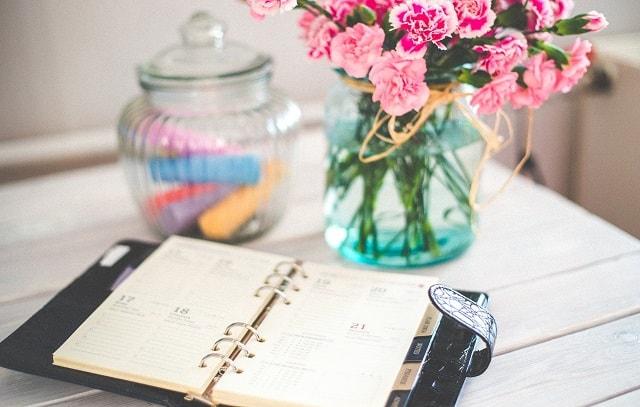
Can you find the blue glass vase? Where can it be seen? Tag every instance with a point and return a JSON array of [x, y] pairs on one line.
[[410, 208]]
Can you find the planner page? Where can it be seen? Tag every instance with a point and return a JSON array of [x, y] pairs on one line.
[[341, 341], [158, 324]]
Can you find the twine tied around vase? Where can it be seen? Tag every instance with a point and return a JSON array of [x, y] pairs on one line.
[[493, 142]]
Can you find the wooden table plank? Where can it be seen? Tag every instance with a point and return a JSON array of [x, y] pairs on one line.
[[543, 309], [628, 399], [20, 389], [577, 369], [102, 399], [42, 208]]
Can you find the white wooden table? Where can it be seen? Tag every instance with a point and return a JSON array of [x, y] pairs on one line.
[[564, 285]]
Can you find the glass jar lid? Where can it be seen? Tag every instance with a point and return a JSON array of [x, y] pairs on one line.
[[204, 59]]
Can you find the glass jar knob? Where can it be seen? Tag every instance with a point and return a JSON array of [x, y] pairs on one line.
[[203, 30]]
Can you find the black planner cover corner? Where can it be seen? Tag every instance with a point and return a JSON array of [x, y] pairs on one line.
[[30, 348]]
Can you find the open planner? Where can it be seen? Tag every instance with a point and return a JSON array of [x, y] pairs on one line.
[[191, 322], [243, 328]]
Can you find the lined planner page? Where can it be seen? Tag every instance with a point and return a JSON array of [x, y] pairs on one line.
[[158, 324], [341, 342]]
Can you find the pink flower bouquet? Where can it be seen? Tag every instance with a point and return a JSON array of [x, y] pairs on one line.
[[422, 70]]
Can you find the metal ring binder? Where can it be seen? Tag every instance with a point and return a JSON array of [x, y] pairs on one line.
[[282, 278], [226, 359], [248, 327], [291, 265], [275, 290], [237, 343]]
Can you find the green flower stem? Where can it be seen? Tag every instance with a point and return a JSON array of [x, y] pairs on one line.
[[463, 168], [373, 178], [413, 176], [431, 242], [459, 195]]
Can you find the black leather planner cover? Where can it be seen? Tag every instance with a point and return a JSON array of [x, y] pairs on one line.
[[30, 348]]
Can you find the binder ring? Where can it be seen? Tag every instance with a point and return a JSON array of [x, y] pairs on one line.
[[247, 327], [237, 343], [291, 265], [226, 360], [282, 278], [275, 290]]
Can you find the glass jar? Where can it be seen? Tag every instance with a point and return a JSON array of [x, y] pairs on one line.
[[410, 208], [207, 146]]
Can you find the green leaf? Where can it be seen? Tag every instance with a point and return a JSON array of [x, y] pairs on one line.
[[476, 79], [520, 70], [452, 58], [368, 16], [554, 52], [386, 23], [361, 14], [513, 17], [352, 19], [392, 36], [480, 41]]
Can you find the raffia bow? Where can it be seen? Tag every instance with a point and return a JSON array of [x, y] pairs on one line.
[[493, 142]]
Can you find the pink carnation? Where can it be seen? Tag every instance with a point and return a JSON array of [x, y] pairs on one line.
[[380, 7], [475, 17], [357, 48], [501, 56], [597, 21], [262, 8], [424, 21], [540, 78], [562, 8], [341, 9], [578, 65], [317, 32], [399, 82], [540, 13], [492, 96]]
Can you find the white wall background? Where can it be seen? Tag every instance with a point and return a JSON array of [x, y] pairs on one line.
[[69, 64]]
